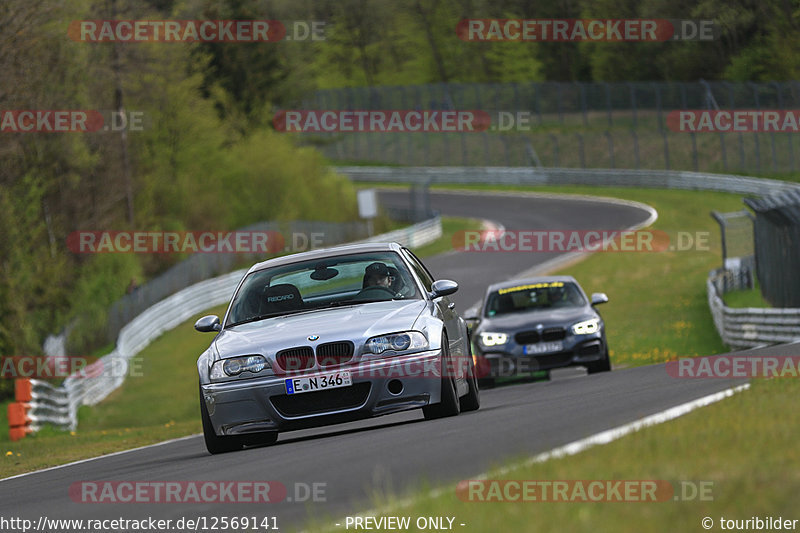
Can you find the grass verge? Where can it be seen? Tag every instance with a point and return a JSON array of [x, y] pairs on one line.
[[745, 298], [157, 402], [741, 452], [665, 290]]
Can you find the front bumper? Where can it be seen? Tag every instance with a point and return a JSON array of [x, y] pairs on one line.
[[512, 361], [379, 387]]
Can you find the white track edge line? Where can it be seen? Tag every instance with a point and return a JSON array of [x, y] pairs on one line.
[[604, 437], [88, 459]]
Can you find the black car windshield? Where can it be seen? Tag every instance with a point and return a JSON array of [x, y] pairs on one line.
[[532, 296], [322, 283]]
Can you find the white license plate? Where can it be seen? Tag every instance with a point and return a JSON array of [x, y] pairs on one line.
[[334, 380], [544, 347]]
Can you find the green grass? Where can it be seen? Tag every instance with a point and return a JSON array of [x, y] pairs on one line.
[[745, 298], [666, 291], [158, 401], [657, 308], [450, 226], [742, 450], [144, 410]]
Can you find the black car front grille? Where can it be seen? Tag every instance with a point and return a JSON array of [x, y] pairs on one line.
[[295, 359], [310, 403], [527, 337], [554, 334], [335, 353], [534, 336]]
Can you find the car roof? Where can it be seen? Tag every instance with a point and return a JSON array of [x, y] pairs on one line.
[[529, 281], [322, 253]]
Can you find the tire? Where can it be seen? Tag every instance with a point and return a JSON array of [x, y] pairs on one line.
[[214, 443], [486, 383], [472, 400], [603, 365], [449, 404]]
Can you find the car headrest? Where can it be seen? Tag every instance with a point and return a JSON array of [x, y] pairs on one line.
[[281, 297]]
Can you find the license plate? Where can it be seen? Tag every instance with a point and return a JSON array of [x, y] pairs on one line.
[[544, 347], [334, 380]]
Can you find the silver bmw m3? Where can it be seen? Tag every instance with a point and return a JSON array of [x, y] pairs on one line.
[[330, 336]]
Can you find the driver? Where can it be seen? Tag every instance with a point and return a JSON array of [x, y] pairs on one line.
[[377, 275]]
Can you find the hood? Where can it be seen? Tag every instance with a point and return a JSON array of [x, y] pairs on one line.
[[354, 323], [548, 317]]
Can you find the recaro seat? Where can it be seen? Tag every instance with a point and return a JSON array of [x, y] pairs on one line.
[[280, 298]]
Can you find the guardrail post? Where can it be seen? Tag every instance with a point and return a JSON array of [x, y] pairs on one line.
[[581, 152], [554, 139], [610, 147]]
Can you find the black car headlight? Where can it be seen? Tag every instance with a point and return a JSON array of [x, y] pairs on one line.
[[396, 343], [587, 327], [236, 365]]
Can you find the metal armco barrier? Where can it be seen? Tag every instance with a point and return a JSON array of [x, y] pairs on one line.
[[752, 326], [659, 179], [38, 402]]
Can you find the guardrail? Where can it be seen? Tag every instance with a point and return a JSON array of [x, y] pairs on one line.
[[38, 402], [660, 179], [752, 326], [738, 328]]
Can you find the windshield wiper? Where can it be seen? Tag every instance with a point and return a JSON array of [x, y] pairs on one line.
[[344, 303]]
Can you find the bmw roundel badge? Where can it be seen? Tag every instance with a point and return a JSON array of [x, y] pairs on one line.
[[313, 337]]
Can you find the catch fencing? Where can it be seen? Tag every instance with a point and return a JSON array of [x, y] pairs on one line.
[[621, 125], [41, 403]]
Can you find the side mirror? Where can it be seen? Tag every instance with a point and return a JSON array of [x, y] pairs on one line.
[[443, 287], [208, 324], [599, 298]]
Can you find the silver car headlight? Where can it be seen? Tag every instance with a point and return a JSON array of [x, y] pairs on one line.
[[237, 365], [490, 339], [587, 327], [397, 343]]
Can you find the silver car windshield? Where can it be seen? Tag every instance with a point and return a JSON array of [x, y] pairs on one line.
[[323, 283], [532, 296]]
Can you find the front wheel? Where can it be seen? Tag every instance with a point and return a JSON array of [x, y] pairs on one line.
[[603, 365], [214, 443], [472, 400], [449, 405]]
